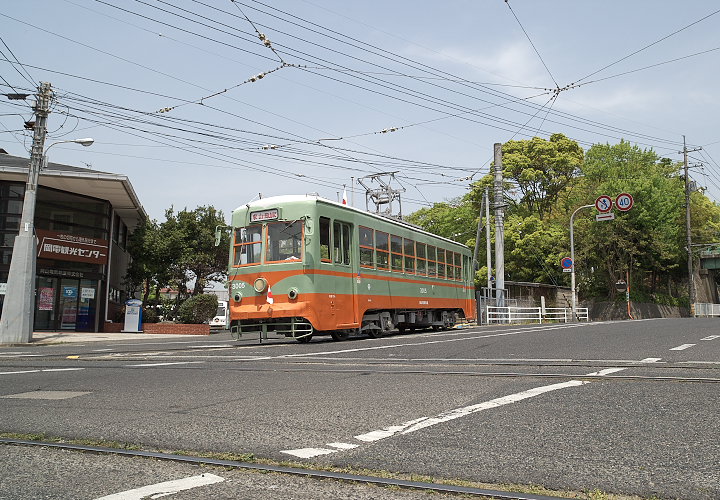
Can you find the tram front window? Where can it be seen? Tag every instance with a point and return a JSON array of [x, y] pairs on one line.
[[247, 245], [284, 242]]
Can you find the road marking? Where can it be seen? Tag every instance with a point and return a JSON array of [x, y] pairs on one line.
[[45, 395], [145, 365], [711, 337], [682, 347], [167, 488], [24, 371], [19, 355], [208, 346], [424, 422], [62, 369], [101, 350], [343, 446], [649, 360]]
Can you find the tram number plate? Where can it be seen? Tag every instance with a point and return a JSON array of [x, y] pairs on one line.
[[424, 302]]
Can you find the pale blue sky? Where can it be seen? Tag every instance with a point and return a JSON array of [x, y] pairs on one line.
[[454, 74]]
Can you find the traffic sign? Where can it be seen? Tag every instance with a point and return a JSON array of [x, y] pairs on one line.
[[603, 203], [566, 263], [624, 202], [605, 216]]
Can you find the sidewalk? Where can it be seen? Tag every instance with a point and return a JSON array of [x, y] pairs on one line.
[[75, 337]]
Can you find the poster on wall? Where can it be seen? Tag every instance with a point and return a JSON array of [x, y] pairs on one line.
[[46, 299], [87, 293]]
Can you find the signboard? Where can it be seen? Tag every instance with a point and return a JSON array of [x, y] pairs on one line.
[[3, 288], [606, 216], [87, 293], [603, 204], [46, 299], [70, 247], [69, 291], [624, 202], [566, 263], [133, 316], [263, 215]]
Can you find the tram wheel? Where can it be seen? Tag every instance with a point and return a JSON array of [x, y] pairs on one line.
[[375, 334], [305, 339], [340, 335]]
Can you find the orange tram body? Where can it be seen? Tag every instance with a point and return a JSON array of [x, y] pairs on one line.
[[303, 266]]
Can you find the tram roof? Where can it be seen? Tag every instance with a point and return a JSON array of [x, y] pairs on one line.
[[274, 201]]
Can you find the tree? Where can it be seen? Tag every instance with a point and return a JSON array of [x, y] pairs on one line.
[[542, 169], [455, 219]]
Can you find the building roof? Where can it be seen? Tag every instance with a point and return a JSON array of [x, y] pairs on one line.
[[115, 188]]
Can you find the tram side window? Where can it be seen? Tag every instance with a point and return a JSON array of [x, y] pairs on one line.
[[325, 239], [366, 247], [284, 242], [341, 242], [441, 263], [248, 241], [396, 251], [458, 267], [409, 246], [382, 249], [432, 261], [420, 248]]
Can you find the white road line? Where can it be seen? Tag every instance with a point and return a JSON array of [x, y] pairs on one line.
[[343, 446], [308, 452], [649, 360], [62, 369], [207, 346], [682, 347], [101, 350], [711, 337], [167, 488], [145, 365], [424, 422], [24, 371]]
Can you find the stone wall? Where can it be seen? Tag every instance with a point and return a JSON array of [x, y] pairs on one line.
[[166, 328], [603, 311]]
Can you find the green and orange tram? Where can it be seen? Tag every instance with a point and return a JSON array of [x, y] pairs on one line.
[[302, 266]]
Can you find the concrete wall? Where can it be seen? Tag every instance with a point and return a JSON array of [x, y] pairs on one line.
[[602, 311]]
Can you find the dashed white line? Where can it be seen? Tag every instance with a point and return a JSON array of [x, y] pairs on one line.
[[167, 488], [43, 370], [682, 347], [145, 365], [424, 422], [711, 337], [23, 371], [649, 360], [63, 369]]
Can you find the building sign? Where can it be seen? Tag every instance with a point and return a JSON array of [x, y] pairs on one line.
[[62, 246], [264, 215]]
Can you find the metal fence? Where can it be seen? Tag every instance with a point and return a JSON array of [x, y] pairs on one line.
[[703, 309], [534, 314]]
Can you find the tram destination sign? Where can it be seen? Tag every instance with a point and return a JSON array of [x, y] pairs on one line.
[[56, 245], [264, 215]]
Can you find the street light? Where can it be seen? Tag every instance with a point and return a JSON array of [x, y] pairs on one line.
[[573, 290], [16, 322]]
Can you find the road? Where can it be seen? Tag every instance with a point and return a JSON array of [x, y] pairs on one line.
[[621, 407]]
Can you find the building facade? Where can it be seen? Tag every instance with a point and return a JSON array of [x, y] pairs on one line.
[[82, 221]]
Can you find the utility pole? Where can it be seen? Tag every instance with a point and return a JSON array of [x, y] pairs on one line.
[[499, 228], [486, 201], [16, 323], [691, 272]]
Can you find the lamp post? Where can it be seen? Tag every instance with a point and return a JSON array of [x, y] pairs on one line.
[[16, 322], [573, 291]]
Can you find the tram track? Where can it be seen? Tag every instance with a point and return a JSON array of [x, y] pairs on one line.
[[319, 474]]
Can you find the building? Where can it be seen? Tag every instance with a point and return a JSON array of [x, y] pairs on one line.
[[82, 221]]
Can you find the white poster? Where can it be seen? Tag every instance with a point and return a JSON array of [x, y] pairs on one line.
[[87, 293]]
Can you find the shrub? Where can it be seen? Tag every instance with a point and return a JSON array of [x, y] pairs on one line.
[[149, 315], [198, 309]]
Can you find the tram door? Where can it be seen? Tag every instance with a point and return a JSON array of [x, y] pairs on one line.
[[345, 298]]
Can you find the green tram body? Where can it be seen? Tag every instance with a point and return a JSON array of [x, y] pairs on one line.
[[303, 265]]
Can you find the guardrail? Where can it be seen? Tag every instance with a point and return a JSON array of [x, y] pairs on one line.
[[534, 314], [705, 310]]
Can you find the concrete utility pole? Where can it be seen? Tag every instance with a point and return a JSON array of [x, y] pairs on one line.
[[16, 323], [499, 228], [486, 201], [691, 272]]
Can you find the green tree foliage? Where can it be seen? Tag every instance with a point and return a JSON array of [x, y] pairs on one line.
[[542, 169], [177, 251], [455, 219], [198, 309]]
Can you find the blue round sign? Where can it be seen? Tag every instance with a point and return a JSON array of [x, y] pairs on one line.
[[566, 263]]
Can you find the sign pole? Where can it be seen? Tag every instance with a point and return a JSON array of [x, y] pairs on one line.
[[573, 291]]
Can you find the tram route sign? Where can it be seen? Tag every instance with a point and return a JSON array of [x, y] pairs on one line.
[[603, 203]]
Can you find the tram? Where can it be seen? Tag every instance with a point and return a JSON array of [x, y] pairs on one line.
[[302, 266]]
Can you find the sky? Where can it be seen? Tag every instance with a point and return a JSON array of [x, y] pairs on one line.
[[170, 90]]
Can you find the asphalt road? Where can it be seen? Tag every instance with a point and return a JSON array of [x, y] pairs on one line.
[[623, 407]]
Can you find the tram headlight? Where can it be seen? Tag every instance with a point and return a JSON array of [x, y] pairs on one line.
[[237, 297], [260, 285], [293, 293]]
